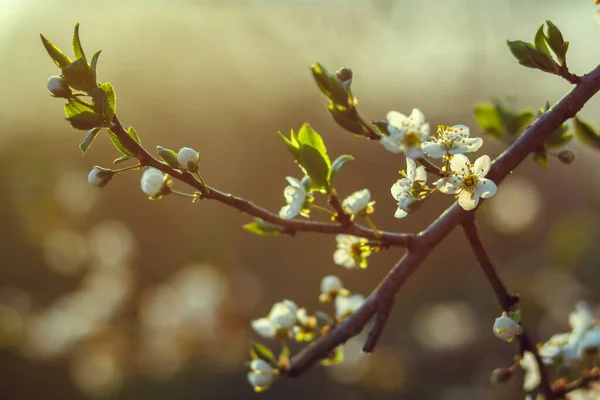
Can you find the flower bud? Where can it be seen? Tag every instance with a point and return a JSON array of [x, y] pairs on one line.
[[331, 287], [153, 182], [99, 176], [59, 87], [505, 328], [566, 156], [188, 159], [260, 375], [501, 375]]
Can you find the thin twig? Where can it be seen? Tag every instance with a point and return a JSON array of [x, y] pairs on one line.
[[589, 377], [506, 300]]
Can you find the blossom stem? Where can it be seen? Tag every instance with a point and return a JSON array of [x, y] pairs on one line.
[[192, 196], [372, 225], [199, 176], [323, 209], [129, 168]]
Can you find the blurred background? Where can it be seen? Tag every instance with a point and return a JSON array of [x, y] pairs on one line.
[[104, 294]]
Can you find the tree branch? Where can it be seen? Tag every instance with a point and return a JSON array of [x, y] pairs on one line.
[[506, 300], [588, 377]]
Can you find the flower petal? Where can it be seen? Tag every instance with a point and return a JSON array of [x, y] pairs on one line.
[[460, 164], [467, 200], [468, 145], [414, 152], [449, 185], [421, 175], [290, 211], [390, 143], [482, 166], [264, 327], [400, 188], [457, 132], [485, 188], [294, 182], [411, 167], [417, 117], [434, 149], [400, 213], [342, 257], [396, 119]]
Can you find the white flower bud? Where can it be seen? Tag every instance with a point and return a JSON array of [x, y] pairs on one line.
[[347, 305], [153, 182], [59, 87], [284, 314], [357, 201], [264, 327], [188, 159], [505, 328], [99, 176], [331, 284], [260, 375]]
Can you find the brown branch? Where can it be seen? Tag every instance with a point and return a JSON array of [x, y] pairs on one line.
[[419, 246], [588, 377], [507, 301], [245, 206]]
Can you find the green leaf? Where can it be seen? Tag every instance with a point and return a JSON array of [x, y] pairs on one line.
[[94, 61], [107, 101], [92, 134], [522, 120], [80, 76], [82, 116], [489, 120], [122, 158], [544, 62], [168, 156], [291, 144], [262, 228], [586, 133], [520, 50], [556, 42], [117, 143], [330, 85], [315, 166], [308, 136], [347, 118], [559, 137], [338, 163], [131, 132], [540, 41], [382, 126], [259, 351], [530, 57], [76, 106], [541, 158], [77, 48], [57, 56]]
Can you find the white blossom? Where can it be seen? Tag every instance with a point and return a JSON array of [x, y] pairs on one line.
[[281, 318], [585, 393], [468, 181], [99, 176], [295, 196], [357, 202], [403, 190], [351, 251], [153, 181], [581, 319], [532, 372], [590, 341], [260, 375], [506, 328], [406, 134], [58, 87], [188, 159], [331, 284], [561, 348], [348, 305], [451, 140]]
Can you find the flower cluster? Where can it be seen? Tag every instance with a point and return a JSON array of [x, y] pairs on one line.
[[286, 321], [410, 135]]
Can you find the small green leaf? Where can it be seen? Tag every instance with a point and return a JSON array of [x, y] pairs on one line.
[[586, 133], [544, 62], [315, 166], [80, 76], [541, 158], [76, 106], [86, 120], [556, 42], [330, 85], [338, 163], [521, 50], [262, 228], [522, 120], [108, 101], [117, 143], [57, 56], [77, 48], [489, 120], [168, 156], [530, 57], [92, 134], [131, 132], [291, 144], [347, 118], [259, 351], [122, 158], [308, 136], [540, 41], [94, 61], [559, 137]]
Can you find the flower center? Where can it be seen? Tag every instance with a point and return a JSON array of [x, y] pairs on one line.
[[411, 139], [469, 182]]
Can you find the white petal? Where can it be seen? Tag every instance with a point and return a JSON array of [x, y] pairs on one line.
[[532, 372], [348, 305], [414, 152], [390, 144], [467, 201], [261, 366], [417, 117], [434, 149], [485, 188], [292, 194], [331, 284], [482, 166], [449, 185], [343, 258], [460, 164], [290, 211], [400, 213], [421, 175], [264, 327], [400, 188], [294, 182], [424, 132], [396, 118], [467, 146], [260, 380], [457, 132], [411, 167]]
